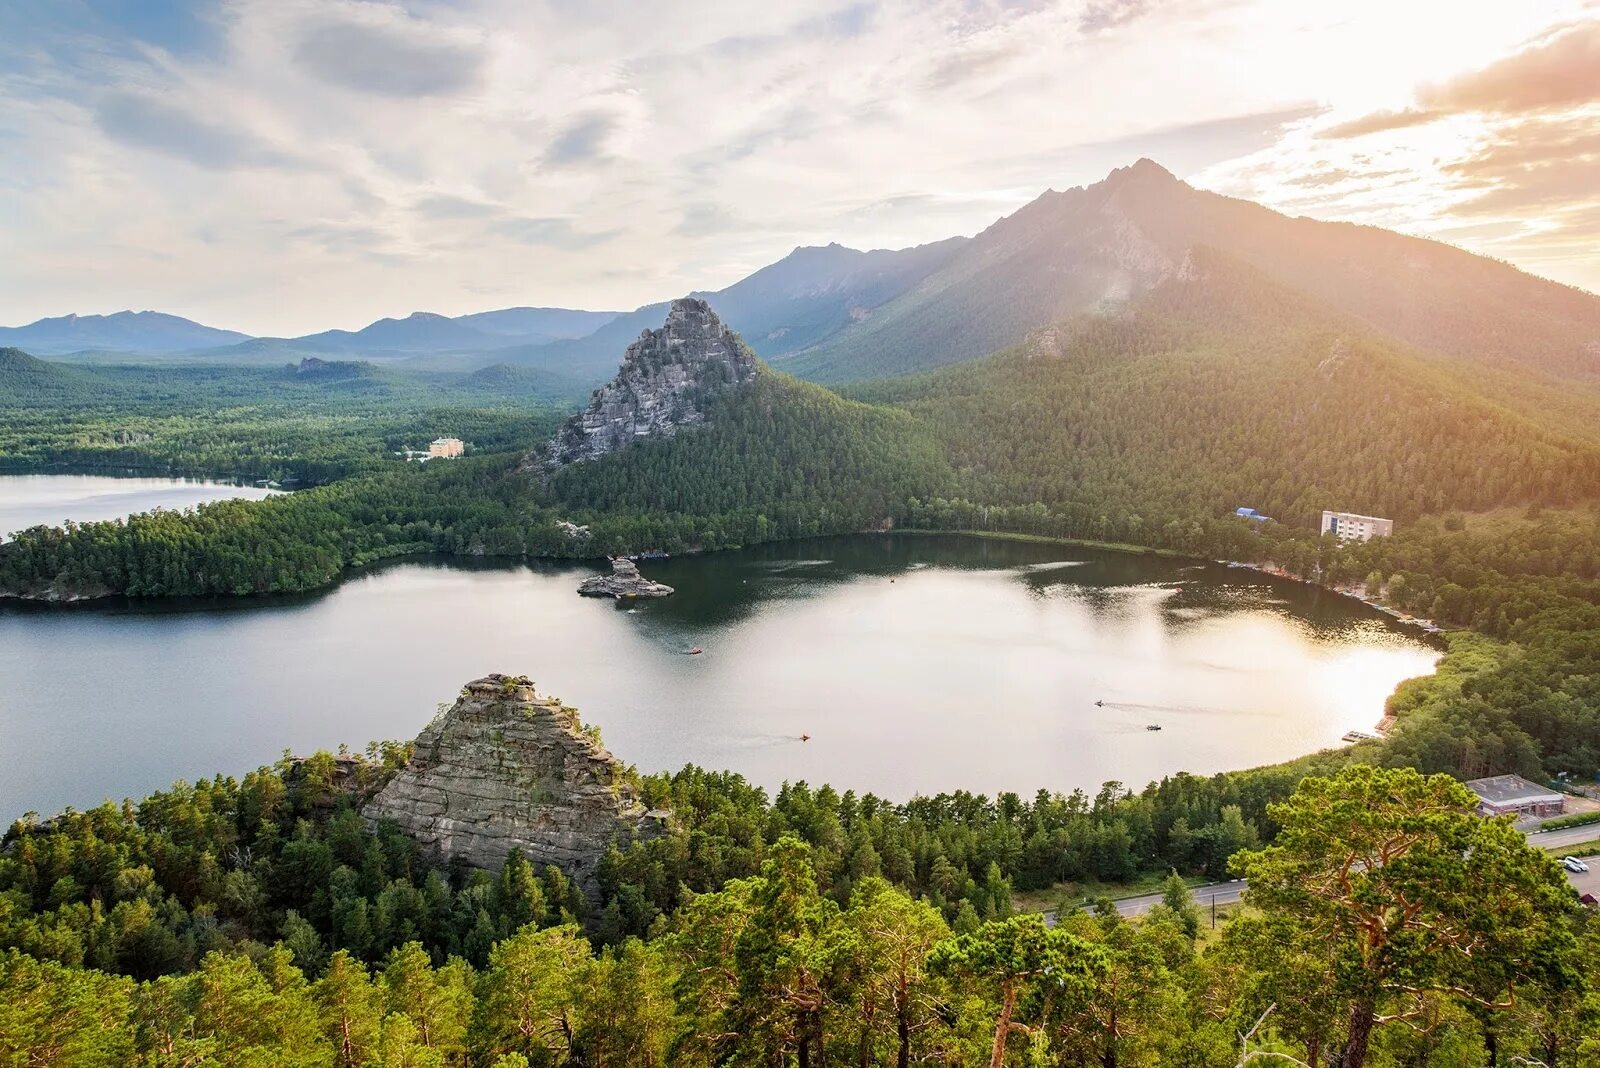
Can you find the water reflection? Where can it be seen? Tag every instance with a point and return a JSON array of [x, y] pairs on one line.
[[914, 663], [31, 500]]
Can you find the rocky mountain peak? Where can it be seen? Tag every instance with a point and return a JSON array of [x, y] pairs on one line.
[[666, 379], [509, 768]]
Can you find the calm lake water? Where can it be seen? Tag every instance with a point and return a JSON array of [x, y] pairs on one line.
[[916, 664], [28, 500]]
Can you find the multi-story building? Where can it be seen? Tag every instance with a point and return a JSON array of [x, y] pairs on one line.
[[446, 447], [1351, 527]]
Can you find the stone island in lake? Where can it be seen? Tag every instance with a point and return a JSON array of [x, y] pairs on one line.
[[624, 581]]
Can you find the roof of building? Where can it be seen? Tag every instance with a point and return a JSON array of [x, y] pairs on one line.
[[1510, 790]]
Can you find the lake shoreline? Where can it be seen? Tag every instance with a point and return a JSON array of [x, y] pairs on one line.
[[921, 643]]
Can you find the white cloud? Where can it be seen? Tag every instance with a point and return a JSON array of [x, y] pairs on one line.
[[326, 162]]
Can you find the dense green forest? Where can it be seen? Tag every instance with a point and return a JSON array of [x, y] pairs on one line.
[[311, 423], [779, 459], [792, 460], [1229, 390], [258, 921]]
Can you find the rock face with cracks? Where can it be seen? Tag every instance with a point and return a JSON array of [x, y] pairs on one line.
[[508, 768], [665, 381]]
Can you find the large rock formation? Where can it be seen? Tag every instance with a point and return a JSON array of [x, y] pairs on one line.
[[666, 378], [506, 768], [624, 581]]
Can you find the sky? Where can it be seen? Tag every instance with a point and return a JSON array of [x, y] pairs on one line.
[[286, 166]]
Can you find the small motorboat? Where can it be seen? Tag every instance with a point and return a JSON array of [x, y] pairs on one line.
[[1152, 726], [805, 737], [1099, 704], [696, 651]]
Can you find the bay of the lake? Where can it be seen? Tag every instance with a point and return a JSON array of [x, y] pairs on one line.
[[915, 664], [30, 500]]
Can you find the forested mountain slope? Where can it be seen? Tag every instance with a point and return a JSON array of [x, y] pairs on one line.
[[775, 458], [1222, 388], [1096, 247], [26, 379]]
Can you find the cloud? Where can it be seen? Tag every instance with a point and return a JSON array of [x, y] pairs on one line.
[[1545, 167], [1101, 15], [389, 56], [700, 220], [1559, 70], [1192, 146], [583, 141], [1378, 122], [309, 163], [972, 63], [550, 232], [443, 206], [159, 125]]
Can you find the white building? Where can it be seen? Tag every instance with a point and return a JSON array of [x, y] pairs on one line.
[[1351, 527], [446, 447], [1500, 795]]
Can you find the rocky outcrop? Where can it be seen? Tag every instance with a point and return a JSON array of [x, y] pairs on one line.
[[507, 768], [666, 378], [624, 581]]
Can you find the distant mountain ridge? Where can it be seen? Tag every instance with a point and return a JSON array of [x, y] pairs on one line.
[[426, 332], [124, 331], [834, 314], [157, 333], [784, 308], [1097, 247]]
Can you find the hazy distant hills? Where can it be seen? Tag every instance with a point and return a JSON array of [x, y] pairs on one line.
[[125, 331], [784, 308], [1095, 248], [426, 332], [155, 333], [836, 314]]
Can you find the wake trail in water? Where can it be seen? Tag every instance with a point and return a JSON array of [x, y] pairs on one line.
[[765, 741], [1203, 710]]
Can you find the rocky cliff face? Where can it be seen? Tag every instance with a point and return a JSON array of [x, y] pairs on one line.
[[667, 376], [507, 768]]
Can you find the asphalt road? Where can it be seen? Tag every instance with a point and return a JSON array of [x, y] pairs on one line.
[[1587, 882], [1565, 836], [1230, 892]]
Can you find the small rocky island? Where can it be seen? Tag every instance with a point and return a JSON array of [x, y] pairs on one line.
[[624, 581], [508, 768]]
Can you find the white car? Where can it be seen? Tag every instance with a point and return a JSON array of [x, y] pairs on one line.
[[1573, 864]]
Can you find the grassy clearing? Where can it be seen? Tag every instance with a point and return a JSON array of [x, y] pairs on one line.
[[1070, 895]]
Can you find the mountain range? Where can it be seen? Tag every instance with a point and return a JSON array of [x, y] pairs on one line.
[[124, 331], [834, 314], [154, 333]]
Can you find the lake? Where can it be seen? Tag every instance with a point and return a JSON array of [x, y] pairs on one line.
[[29, 500], [915, 664]]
